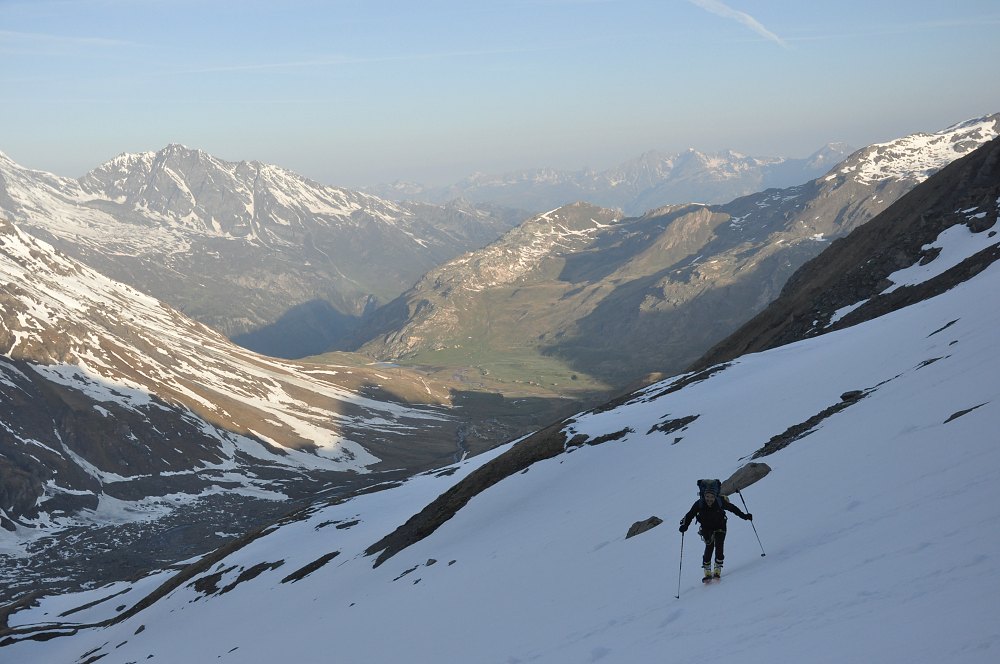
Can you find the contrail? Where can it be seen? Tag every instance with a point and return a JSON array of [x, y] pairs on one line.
[[724, 10]]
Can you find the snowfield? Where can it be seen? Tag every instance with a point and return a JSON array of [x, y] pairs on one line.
[[918, 156], [881, 528]]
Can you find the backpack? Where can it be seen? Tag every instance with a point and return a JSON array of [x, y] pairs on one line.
[[715, 486]]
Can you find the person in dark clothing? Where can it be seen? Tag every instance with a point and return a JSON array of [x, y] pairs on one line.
[[711, 514]]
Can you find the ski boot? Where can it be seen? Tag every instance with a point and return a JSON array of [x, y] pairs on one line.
[[717, 573], [707, 569]]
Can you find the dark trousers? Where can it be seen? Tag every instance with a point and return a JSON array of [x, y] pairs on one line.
[[715, 541]]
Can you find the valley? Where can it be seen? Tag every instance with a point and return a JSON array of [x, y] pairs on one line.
[[553, 316], [382, 332], [882, 420]]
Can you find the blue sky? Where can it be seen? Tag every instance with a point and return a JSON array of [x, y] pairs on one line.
[[357, 92]]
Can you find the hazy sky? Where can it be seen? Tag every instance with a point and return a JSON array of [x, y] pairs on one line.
[[357, 92]]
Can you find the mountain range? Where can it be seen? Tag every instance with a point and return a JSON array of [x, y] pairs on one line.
[[873, 495], [280, 262], [651, 180], [122, 409], [615, 297], [290, 268]]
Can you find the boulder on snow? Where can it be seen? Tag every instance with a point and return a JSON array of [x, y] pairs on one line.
[[744, 477], [639, 527]]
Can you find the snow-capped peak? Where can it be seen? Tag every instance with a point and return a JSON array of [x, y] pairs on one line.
[[917, 156]]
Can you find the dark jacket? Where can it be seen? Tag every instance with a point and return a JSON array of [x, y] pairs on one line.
[[711, 518]]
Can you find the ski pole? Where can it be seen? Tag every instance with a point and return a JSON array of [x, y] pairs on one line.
[[762, 554], [679, 568]]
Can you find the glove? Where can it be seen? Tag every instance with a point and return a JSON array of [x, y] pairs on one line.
[[683, 527], [749, 517]]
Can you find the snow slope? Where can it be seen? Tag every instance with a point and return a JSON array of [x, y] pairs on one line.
[[881, 527]]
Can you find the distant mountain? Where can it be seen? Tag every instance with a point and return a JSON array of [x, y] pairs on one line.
[[618, 297], [244, 246], [651, 180], [873, 489]]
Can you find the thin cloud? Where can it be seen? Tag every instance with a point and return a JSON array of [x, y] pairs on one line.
[[40, 43], [361, 60], [724, 10]]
